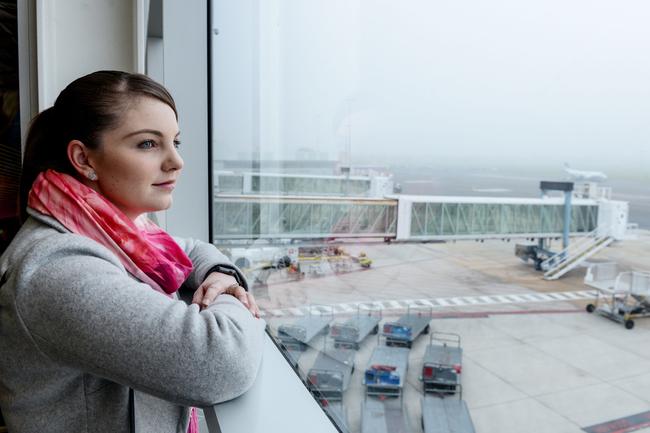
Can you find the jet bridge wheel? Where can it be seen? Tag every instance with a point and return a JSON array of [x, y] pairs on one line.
[[426, 330], [590, 308], [629, 324]]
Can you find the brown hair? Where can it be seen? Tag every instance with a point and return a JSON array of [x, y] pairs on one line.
[[86, 108]]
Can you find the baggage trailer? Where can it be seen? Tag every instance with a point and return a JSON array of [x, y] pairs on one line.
[[379, 416], [442, 363], [622, 299], [330, 375], [445, 415], [353, 331], [337, 413], [407, 328], [299, 334], [386, 371]]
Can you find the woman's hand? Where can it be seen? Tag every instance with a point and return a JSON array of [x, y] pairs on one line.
[[217, 284]]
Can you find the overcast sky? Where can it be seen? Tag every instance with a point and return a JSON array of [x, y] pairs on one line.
[[521, 81]]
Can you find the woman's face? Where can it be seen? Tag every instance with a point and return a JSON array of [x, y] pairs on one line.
[[137, 163]]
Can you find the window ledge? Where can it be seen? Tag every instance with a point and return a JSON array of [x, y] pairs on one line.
[[278, 401]]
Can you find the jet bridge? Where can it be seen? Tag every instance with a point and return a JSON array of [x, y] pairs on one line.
[[245, 218]]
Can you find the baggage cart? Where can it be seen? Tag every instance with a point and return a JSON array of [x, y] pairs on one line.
[[407, 328], [330, 375], [442, 364], [624, 300], [353, 331], [445, 415], [299, 334], [379, 416], [337, 413], [386, 371]]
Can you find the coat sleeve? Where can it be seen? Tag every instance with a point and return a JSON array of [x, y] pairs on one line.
[[82, 309], [204, 257]]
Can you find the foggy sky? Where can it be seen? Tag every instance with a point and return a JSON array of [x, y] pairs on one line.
[[521, 81]]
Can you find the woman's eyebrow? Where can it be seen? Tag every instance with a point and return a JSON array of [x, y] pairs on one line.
[[148, 131]]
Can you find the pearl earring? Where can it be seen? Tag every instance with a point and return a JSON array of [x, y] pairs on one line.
[[92, 175]]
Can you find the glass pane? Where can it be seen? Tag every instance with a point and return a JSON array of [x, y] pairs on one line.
[[378, 179]]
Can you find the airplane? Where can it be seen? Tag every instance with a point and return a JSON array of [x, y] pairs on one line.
[[583, 175]]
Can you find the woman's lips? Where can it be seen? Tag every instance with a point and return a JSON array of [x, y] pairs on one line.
[[166, 185]]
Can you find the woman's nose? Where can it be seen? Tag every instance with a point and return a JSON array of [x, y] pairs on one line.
[[173, 160]]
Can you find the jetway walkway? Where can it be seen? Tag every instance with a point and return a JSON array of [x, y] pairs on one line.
[[244, 217]]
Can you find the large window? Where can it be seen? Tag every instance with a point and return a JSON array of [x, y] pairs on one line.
[[377, 169]]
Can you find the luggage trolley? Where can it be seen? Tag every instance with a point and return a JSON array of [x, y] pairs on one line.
[[386, 371], [408, 327], [445, 415], [299, 334], [384, 378], [627, 299], [442, 363], [353, 331], [383, 416], [337, 413], [330, 375]]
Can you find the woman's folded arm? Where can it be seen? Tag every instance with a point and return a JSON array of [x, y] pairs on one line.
[[82, 309]]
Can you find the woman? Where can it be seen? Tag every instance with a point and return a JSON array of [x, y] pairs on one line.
[[93, 337]]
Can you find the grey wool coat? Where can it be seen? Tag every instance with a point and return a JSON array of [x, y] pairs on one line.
[[77, 331]]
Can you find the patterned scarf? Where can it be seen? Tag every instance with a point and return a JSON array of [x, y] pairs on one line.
[[145, 250]]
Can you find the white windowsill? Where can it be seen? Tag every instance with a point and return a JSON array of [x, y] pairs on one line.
[[277, 402]]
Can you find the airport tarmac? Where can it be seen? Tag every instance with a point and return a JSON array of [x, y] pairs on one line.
[[533, 359]]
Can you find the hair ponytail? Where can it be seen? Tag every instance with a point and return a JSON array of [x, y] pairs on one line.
[[44, 149]]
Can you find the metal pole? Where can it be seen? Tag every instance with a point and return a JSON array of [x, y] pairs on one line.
[[540, 242], [567, 218]]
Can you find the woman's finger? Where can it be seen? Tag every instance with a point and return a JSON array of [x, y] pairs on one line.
[[198, 295], [241, 294], [238, 292], [255, 309]]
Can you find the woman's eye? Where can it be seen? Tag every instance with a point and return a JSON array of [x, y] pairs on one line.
[[147, 144]]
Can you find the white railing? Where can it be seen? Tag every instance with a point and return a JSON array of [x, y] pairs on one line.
[[575, 251]]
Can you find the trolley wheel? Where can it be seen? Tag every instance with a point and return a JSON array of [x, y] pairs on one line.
[[629, 324], [375, 330], [590, 308], [426, 330]]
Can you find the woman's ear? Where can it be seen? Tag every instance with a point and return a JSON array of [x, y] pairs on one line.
[[79, 158]]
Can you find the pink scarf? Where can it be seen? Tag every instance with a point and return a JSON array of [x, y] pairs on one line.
[[145, 250]]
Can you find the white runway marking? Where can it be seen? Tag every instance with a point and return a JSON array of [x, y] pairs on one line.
[[486, 300], [435, 303]]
